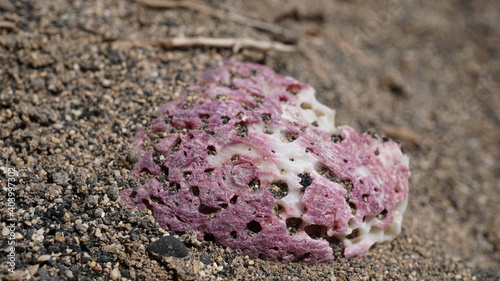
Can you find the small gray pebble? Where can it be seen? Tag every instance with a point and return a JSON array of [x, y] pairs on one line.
[[205, 259], [113, 193], [168, 246]]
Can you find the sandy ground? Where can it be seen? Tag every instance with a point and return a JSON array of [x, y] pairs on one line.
[[77, 78]]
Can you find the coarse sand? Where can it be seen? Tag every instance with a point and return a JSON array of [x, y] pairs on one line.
[[78, 78]]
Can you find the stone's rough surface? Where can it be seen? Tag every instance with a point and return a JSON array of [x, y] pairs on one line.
[[252, 160]]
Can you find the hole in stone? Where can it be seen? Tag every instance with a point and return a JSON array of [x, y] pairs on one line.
[[147, 203], [133, 194], [315, 231], [382, 215], [234, 234], [302, 258], [347, 184], [354, 234], [291, 159], [208, 171], [376, 152], [336, 138], [235, 158], [253, 228], [353, 208], [329, 174], [204, 117], [365, 197], [187, 175], [397, 189], [162, 177], [278, 210], [258, 101], [293, 225], [268, 131], [157, 158], [305, 180], [209, 237], [266, 117], [345, 161], [172, 187], [207, 210], [293, 89], [176, 145], [225, 119], [289, 137], [211, 150], [315, 124], [233, 199], [254, 185], [278, 189], [306, 105], [155, 199], [195, 190], [224, 206], [241, 130]]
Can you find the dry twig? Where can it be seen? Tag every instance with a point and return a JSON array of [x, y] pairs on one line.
[[221, 14], [235, 43]]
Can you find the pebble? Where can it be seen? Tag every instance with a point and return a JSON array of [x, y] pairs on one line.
[[113, 193], [68, 273], [205, 259], [168, 246], [44, 258], [114, 274], [32, 269]]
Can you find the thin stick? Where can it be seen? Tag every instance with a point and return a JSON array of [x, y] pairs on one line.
[[221, 14], [235, 43]]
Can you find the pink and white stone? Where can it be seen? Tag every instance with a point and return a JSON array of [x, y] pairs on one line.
[[251, 159]]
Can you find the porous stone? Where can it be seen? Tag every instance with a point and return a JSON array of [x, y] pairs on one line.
[[251, 159]]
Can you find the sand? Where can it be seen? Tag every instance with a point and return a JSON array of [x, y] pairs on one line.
[[78, 78]]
